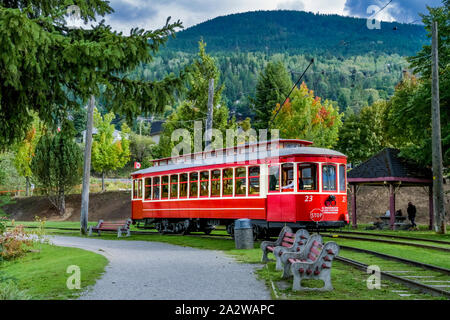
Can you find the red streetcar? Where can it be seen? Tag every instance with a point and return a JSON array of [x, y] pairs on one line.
[[273, 183]]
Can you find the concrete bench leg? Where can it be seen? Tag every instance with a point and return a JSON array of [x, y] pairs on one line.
[[287, 271], [90, 231], [277, 252], [264, 258]]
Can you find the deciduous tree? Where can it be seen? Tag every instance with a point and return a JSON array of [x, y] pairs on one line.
[[24, 152], [305, 116], [57, 166], [108, 152]]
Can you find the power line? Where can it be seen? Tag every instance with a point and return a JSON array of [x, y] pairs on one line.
[[298, 81], [382, 9]]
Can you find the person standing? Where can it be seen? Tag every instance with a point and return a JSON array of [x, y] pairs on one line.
[[412, 213]]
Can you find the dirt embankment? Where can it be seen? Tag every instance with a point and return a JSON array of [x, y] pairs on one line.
[[111, 206], [372, 202]]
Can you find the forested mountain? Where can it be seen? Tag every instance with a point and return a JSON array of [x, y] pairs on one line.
[[354, 66], [298, 32]]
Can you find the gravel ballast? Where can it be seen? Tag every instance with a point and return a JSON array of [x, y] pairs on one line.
[[143, 270]]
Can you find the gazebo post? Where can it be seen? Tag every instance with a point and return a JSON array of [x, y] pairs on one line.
[[430, 206], [354, 220], [392, 205]]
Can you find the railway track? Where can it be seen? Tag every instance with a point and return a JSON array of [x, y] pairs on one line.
[[419, 245], [405, 280], [399, 259], [393, 236]]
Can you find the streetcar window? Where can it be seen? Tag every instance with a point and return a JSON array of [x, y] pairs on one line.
[[274, 178], [174, 186], [227, 182], [137, 194], [307, 176], [165, 187], [342, 184], [148, 189], [193, 185], [156, 188], [240, 179], [253, 181], [287, 177], [204, 184], [329, 178], [215, 183], [135, 189], [183, 185]]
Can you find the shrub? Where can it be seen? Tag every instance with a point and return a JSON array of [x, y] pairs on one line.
[[14, 243]]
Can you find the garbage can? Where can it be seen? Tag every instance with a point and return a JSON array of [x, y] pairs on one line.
[[243, 234]]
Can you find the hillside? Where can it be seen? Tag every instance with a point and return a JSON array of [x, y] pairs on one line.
[[298, 32], [354, 66]]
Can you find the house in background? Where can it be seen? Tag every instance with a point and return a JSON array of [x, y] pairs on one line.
[[116, 135], [157, 127]]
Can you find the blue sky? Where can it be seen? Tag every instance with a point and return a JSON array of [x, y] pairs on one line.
[[151, 14]]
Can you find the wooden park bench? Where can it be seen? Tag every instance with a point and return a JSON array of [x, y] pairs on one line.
[[286, 242], [314, 262], [120, 227]]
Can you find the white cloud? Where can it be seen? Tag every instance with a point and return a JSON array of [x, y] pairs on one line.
[[152, 14], [291, 5]]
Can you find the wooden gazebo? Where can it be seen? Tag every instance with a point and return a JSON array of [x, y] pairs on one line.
[[387, 169]]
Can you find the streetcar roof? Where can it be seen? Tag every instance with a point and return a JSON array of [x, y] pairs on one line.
[[243, 157]]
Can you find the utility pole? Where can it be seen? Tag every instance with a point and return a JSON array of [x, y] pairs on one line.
[[87, 167], [438, 188], [209, 120]]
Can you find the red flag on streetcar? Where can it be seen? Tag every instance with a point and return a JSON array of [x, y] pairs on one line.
[[137, 165]]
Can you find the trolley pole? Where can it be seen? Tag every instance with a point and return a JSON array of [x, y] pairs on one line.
[[438, 188], [209, 120], [87, 167]]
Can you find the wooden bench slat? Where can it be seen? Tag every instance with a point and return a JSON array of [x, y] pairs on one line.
[[286, 239], [288, 234]]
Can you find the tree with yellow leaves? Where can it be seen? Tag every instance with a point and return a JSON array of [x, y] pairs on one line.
[[108, 153], [305, 116], [24, 151]]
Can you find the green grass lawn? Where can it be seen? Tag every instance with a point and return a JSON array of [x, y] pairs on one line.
[[349, 283], [42, 274]]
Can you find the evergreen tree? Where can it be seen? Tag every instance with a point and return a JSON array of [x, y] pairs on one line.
[[109, 154], [49, 68], [57, 166], [273, 86], [195, 106]]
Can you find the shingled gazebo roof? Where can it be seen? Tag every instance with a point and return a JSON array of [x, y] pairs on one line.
[[388, 166]]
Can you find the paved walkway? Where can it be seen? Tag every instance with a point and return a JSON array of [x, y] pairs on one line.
[[159, 271]]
